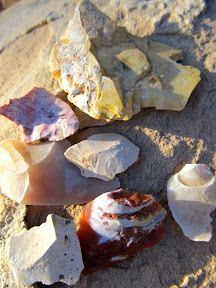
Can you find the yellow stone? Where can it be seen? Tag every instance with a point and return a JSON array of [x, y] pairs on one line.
[[169, 84], [97, 68], [110, 75]]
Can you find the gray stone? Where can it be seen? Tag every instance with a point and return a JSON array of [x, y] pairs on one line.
[[49, 253]]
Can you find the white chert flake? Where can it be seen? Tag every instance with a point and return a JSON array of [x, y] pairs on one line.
[[192, 197], [49, 253], [103, 155]]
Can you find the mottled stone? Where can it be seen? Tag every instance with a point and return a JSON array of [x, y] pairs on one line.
[[169, 84], [40, 175], [192, 198], [49, 253], [107, 76], [116, 225], [95, 63], [103, 155], [40, 116]]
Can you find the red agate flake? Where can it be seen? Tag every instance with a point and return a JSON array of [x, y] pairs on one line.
[[41, 115], [116, 225]]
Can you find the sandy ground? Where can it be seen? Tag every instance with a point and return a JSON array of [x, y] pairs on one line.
[[167, 140]]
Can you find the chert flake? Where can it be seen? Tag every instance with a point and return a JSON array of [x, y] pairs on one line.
[[41, 115], [110, 74], [116, 225], [192, 197], [41, 175], [49, 253], [169, 84], [95, 63], [103, 155]]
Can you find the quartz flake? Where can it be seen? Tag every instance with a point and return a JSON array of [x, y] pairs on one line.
[[49, 253], [103, 155], [192, 197], [41, 175], [110, 74], [41, 115]]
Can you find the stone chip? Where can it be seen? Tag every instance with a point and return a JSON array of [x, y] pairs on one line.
[[40, 174], [103, 155], [191, 198], [49, 253], [41, 115], [110, 74]]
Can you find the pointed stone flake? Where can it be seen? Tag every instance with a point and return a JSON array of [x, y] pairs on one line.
[[41, 175], [103, 155], [192, 197], [49, 253], [41, 115]]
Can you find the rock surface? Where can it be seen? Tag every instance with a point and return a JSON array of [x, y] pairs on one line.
[[106, 73], [43, 176], [167, 140], [192, 197], [49, 253], [103, 155], [40, 116]]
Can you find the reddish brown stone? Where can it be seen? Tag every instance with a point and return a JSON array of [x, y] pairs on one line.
[[112, 228]]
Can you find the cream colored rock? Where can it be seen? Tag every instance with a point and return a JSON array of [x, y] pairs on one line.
[[95, 63], [49, 253], [40, 175], [192, 197], [106, 72], [103, 155]]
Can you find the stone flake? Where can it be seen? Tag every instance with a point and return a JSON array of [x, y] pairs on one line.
[[103, 155], [191, 198], [43, 176], [41, 115], [110, 74], [49, 253]]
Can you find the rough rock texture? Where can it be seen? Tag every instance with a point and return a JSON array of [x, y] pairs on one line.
[[12, 222], [106, 73], [103, 155], [192, 198], [41, 116], [167, 140], [49, 253]]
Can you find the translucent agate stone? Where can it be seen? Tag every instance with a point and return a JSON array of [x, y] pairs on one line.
[[41, 175], [49, 253], [41, 115], [103, 155], [116, 225], [192, 197]]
